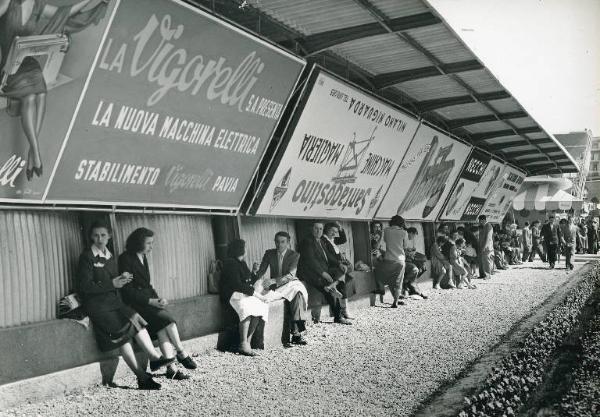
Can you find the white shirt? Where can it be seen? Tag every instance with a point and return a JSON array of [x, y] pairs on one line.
[[97, 252], [141, 257], [335, 248], [280, 256]]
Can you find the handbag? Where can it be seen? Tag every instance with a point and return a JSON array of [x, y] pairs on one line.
[[214, 276], [70, 307]]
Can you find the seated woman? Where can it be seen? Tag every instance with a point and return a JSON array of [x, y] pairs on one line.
[[114, 323], [236, 289], [412, 256], [142, 297], [462, 273]]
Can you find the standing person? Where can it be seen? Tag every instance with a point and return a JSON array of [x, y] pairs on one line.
[[551, 234], [115, 324], [142, 297], [313, 267], [282, 263], [334, 235], [582, 237], [391, 271], [536, 242], [592, 235], [527, 242], [486, 248], [237, 290], [568, 239]]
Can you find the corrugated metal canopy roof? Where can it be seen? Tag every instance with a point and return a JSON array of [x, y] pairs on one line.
[[404, 51]]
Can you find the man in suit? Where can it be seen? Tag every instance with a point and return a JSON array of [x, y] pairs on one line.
[[314, 268], [486, 248], [282, 263], [552, 238], [536, 242]]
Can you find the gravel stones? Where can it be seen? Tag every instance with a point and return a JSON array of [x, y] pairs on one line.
[[387, 363]]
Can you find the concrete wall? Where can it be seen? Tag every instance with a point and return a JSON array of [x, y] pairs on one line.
[[56, 345]]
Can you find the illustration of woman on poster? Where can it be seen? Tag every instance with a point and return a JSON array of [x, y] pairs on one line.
[[25, 90]]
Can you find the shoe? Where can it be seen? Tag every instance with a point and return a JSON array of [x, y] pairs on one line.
[[176, 375], [342, 320], [571, 267], [148, 384], [316, 320], [187, 362], [551, 266], [423, 296], [299, 340], [39, 171], [29, 174], [159, 363], [399, 303]]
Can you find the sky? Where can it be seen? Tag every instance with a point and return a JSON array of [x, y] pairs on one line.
[[545, 52]]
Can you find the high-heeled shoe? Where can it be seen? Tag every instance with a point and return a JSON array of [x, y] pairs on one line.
[[29, 174], [39, 171]]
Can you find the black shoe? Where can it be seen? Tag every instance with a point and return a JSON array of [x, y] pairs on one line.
[[299, 340], [551, 266], [342, 320], [159, 363], [316, 320], [176, 375], [571, 267], [187, 362], [148, 384]]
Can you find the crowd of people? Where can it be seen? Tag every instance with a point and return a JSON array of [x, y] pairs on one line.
[[124, 307]]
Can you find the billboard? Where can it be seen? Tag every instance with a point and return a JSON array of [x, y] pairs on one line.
[[178, 111], [44, 66], [475, 184], [341, 153], [501, 198], [425, 177]]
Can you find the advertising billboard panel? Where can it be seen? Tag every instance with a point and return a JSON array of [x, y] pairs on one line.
[[340, 155], [178, 111], [425, 178], [475, 184], [499, 202]]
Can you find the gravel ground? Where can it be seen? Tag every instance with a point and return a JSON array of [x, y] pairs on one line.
[[387, 363]]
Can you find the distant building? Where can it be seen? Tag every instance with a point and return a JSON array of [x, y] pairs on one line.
[[593, 177], [579, 145]]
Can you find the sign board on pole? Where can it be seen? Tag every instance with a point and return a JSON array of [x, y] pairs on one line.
[[342, 151], [425, 176]]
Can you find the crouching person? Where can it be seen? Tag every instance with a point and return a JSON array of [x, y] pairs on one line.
[[115, 324], [282, 263], [236, 289]]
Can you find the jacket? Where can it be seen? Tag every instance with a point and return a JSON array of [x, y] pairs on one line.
[[139, 291], [486, 237], [270, 260], [313, 262], [235, 277], [94, 283]]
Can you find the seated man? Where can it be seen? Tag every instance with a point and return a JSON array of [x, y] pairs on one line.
[[313, 267], [283, 263]]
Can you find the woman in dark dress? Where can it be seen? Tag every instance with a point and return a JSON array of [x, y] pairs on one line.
[[114, 323], [236, 289], [142, 297], [26, 89]]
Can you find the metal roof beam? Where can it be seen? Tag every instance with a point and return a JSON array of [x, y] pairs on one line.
[[530, 160], [324, 40], [504, 145], [521, 153], [455, 123], [438, 103], [396, 77], [505, 132]]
